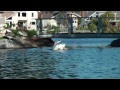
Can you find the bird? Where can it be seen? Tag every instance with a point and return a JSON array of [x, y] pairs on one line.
[[59, 46]]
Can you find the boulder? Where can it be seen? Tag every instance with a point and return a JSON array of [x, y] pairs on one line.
[[25, 43], [23, 33], [115, 43], [42, 41]]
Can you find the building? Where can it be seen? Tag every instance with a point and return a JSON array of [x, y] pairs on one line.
[[21, 19], [48, 18], [55, 18], [2, 20]]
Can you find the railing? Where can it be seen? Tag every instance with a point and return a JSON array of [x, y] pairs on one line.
[[96, 25]]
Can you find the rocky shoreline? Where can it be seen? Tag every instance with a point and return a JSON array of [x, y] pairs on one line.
[[33, 42]]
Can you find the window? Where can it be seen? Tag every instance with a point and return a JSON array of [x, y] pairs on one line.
[[23, 14], [112, 23], [32, 14], [68, 15], [32, 23], [75, 21], [18, 14], [10, 24]]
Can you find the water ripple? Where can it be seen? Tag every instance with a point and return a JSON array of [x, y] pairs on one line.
[[87, 62]]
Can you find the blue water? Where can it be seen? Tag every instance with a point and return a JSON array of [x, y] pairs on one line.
[[85, 59]]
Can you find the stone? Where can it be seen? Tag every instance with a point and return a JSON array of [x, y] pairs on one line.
[[115, 43], [25, 43]]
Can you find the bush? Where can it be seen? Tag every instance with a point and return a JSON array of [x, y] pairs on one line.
[[31, 33], [54, 30], [81, 28], [7, 26], [92, 27], [15, 32]]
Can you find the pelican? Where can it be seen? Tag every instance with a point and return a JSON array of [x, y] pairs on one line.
[[59, 46]]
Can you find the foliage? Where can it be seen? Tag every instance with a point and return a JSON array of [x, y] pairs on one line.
[[92, 27], [79, 21], [31, 33], [118, 26], [80, 28], [106, 18], [15, 32], [7, 26], [106, 26], [53, 29]]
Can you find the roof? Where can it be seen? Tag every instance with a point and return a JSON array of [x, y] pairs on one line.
[[7, 14], [88, 13], [118, 13], [49, 14]]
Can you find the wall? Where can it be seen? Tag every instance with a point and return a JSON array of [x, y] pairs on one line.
[[44, 22], [75, 21], [31, 19], [53, 22]]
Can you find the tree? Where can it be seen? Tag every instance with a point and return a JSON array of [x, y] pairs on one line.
[[92, 27], [106, 26], [79, 21], [118, 27], [106, 18]]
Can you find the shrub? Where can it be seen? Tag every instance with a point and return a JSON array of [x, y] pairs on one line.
[[15, 32], [92, 27], [53, 29], [31, 33]]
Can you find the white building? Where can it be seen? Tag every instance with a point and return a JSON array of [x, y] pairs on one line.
[[23, 18]]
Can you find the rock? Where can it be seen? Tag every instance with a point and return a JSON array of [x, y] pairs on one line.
[[25, 43], [23, 33], [42, 41], [115, 43]]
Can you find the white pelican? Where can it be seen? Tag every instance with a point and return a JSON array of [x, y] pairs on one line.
[[59, 46]]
